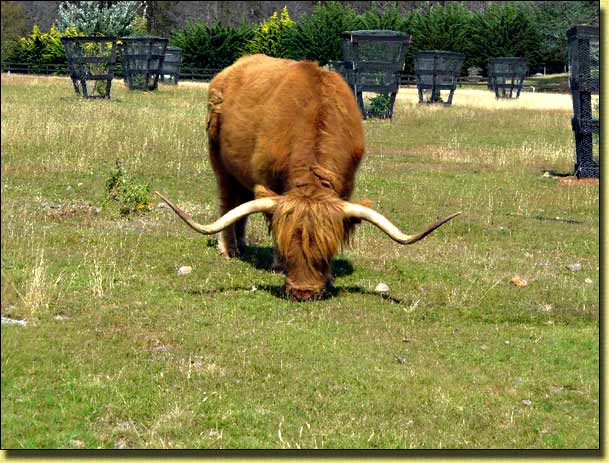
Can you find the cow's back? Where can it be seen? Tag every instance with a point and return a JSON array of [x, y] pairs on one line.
[[282, 123]]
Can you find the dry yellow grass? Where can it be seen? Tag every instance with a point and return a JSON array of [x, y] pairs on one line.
[[485, 99], [472, 98]]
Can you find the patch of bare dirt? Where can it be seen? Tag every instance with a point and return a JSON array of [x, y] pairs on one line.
[[579, 181]]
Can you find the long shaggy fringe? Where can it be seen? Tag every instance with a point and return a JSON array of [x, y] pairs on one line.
[[310, 227]]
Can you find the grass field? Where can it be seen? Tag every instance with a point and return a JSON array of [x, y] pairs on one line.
[[121, 351]]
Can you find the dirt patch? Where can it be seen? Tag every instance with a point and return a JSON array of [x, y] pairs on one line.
[[63, 210], [579, 181]]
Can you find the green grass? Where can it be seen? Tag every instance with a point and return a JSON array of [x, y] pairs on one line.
[[147, 358], [550, 83]]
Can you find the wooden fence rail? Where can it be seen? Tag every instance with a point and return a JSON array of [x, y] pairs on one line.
[[186, 73]]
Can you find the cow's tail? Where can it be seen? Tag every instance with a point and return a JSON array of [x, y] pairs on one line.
[[214, 107]]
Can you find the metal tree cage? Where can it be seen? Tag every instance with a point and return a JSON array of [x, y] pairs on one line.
[[372, 62], [171, 65], [142, 60], [91, 64], [506, 75], [437, 70], [584, 60]]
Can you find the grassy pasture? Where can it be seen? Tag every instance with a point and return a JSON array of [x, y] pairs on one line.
[[120, 351]]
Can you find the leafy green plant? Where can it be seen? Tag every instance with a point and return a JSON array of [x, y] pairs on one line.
[[91, 18], [379, 105], [132, 196], [41, 48], [269, 36], [139, 26]]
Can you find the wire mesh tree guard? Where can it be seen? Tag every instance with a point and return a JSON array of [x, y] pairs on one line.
[[584, 60], [142, 60], [91, 64], [171, 65], [506, 76], [437, 70], [372, 62]]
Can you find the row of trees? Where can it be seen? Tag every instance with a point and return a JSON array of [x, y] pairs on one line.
[[535, 30]]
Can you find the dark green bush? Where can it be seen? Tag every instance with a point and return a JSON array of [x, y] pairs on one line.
[[438, 28], [14, 25], [389, 19], [504, 30], [553, 19], [215, 46], [317, 36]]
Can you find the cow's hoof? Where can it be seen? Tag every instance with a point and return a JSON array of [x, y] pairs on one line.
[[228, 251]]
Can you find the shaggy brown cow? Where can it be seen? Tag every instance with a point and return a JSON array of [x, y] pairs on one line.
[[285, 139]]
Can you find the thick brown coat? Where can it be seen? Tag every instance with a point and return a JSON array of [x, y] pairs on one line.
[[292, 130]]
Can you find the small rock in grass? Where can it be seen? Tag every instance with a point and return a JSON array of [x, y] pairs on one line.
[[382, 288], [121, 444], [588, 280], [547, 174], [184, 270], [75, 443], [401, 360], [574, 267], [10, 321], [526, 403], [69, 188], [162, 205], [408, 340], [518, 281]]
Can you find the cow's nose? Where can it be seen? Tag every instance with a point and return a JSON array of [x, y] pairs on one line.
[[302, 295]]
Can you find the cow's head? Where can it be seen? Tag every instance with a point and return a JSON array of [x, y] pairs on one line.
[[309, 226]]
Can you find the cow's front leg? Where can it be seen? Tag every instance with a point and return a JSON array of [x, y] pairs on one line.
[[227, 245], [278, 265], [232, 239]]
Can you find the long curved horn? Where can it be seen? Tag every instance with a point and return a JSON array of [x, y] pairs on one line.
[[370, 215], [245, 209]]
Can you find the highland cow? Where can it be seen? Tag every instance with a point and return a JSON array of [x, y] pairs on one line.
[[285, 139]]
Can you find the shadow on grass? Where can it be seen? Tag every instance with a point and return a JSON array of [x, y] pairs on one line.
[[551, 219], [555, 173], [261, 258], [278, 291]]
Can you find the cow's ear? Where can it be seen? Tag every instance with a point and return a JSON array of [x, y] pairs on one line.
[[263, 192]]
